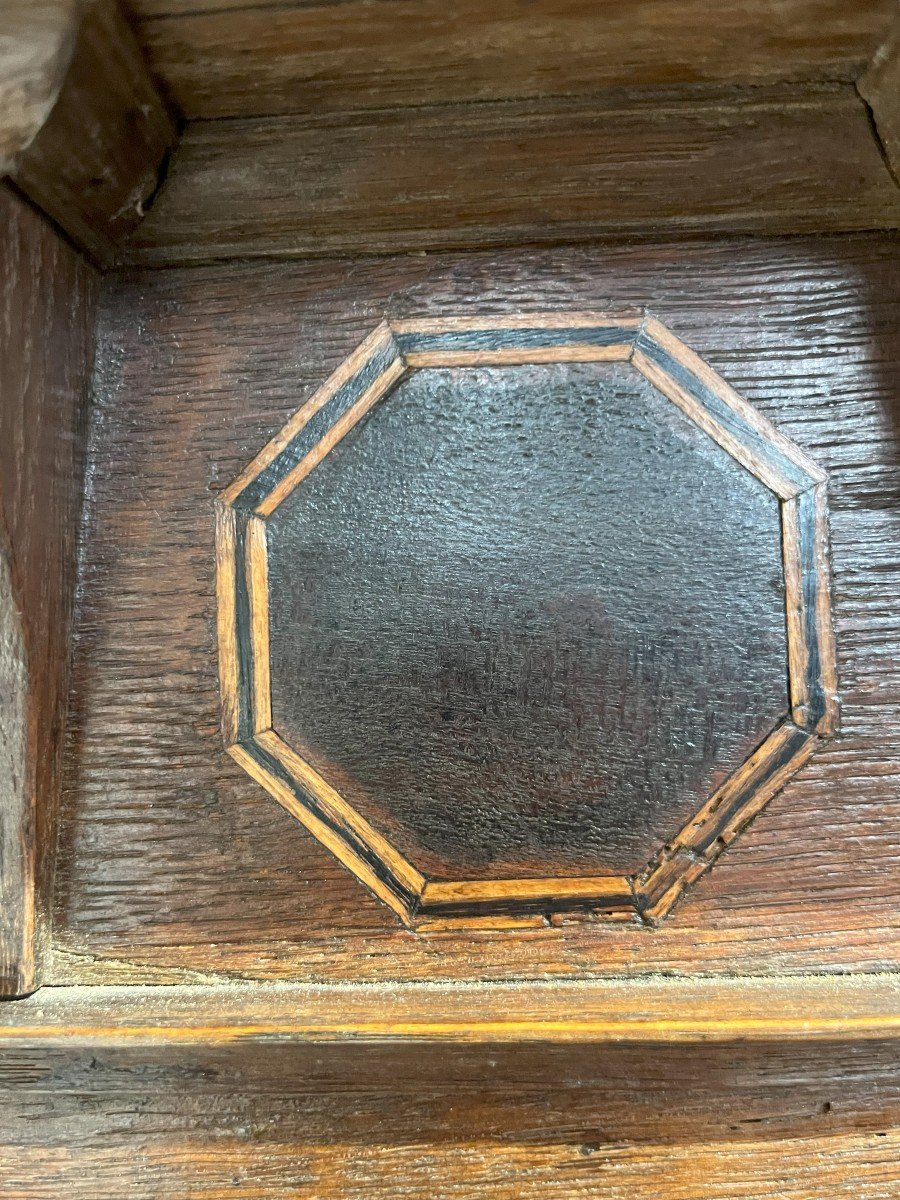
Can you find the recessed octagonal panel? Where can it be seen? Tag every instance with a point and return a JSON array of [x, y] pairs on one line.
[[525, 616]]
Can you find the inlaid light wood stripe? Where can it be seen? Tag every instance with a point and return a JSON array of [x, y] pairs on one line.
[[268, 771], [577, 352], [808, 472], [625, 319], [340, 812], [338, 392], [696, 412], [812, 668], [714, 406], [256, 566], [243, 635], [380, 386], [797, 646], [226, 619], [515, 895], [732, 807], [830, 719]]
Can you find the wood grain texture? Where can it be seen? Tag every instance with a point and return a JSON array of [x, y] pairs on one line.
[[488, 174], [880, 88], [442, 1090], [497, 610], [276, 1114], [36, 47], [175, 866], [650, 1011], [95, 160], [47, 307], [227, 1159], [221, 58]]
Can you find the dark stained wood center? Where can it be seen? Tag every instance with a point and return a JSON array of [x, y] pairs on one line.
[[526, 619]]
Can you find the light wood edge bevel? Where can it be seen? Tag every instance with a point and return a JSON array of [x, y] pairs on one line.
[[256, 565], [377, 340], [630, 319], [339, 430], [830, 721], [783, 488], [580, 353], [650, 1009], [795, 626], [679, 350], [549, 890], [679, 865], [342, 812], [337, 845]]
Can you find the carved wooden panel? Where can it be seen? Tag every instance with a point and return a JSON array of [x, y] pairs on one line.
[[525, 616]]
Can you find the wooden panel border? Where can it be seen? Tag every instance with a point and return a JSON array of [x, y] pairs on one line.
[[367, 376], [650, 1010]]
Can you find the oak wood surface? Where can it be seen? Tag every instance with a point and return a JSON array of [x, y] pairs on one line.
[[429, 1091], [475, 174], [176, 866], [653, 1010], [220, 58], [499, 611], [228, 1157], [47, 308], [96, 135]]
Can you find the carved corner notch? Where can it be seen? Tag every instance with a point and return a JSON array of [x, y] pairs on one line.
[[367, 376]]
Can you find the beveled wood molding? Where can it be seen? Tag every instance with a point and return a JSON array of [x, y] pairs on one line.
[[650, 1010], [391, 353], [84, 134]]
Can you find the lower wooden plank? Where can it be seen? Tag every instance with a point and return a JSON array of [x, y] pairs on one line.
[[489, 174], [745, 1116]]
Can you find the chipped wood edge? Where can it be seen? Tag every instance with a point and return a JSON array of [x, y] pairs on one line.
[[703, 838], [76, 65]]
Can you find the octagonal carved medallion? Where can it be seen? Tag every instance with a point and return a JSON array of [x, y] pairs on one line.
[[525, 615]]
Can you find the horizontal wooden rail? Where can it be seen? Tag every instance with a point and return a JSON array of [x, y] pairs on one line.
[[652, 1010]]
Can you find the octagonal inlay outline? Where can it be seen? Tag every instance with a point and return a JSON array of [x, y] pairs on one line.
[[391, 353]]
